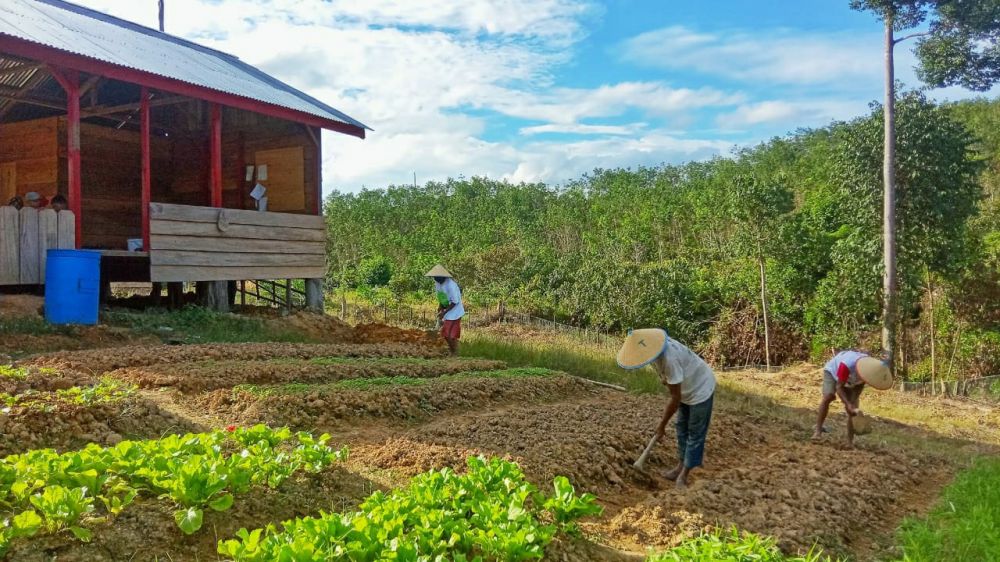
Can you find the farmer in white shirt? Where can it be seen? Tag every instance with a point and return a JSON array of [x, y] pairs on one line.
[[450, 309], [691, 383]]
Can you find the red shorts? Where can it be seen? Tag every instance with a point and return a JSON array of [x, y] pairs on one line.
[[451, 329]]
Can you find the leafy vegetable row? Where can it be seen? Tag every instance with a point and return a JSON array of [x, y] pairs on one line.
[[107, 390], [488, 513], [45, 491]]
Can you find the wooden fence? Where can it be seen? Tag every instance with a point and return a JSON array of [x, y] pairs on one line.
[[26, 236]]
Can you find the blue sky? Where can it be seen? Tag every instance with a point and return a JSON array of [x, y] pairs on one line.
[[545, 90]]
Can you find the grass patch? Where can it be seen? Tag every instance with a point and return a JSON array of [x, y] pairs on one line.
[[374, 361], [378, 382], [965, 524], [572, 359], [32, 326], [199, 325], [372, 383], [732, 546]]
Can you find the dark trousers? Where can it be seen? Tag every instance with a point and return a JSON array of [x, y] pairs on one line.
[[692, 427]]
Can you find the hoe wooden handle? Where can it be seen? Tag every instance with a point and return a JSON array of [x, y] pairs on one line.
[[641, 463]]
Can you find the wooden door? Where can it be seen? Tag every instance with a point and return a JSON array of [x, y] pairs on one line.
[[285, 183]]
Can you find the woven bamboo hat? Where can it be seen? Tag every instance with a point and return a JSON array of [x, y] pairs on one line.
[[641, 348], [438, 271], [875, 373]]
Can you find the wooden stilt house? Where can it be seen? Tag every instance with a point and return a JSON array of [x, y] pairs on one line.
[[157, 144]]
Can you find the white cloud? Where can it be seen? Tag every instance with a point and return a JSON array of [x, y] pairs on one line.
[[799, 113], [548, 19], [569, 105], [782, 56], [562, 161], [583, 129]]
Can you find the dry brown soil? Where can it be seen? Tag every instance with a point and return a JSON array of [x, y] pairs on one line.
[[762, 473]]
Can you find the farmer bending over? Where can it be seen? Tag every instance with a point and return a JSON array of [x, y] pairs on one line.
[[450, 309], [844, 377], [691, 384]]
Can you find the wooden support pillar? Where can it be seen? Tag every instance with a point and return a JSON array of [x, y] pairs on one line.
[[146, 165], [314, 295], [215, 295], [175, 294], [216, 155], [70, 82]]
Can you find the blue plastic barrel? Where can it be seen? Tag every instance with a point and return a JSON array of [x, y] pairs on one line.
[[72, 286]]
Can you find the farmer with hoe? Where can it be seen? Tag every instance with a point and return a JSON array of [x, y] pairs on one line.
[[691, 385], [450, 309], [845, 377]]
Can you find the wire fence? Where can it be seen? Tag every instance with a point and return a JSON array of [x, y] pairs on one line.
[[982, 388]]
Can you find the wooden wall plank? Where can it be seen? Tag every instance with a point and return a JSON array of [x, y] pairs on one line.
[[48, 237], [29, 246], [235, 259], [66, 236], [235, 231], [29, 155], [203, 244], [169, 273], [10, 246], [167, 211]]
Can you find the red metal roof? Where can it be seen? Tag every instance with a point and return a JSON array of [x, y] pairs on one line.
[[65, 34]]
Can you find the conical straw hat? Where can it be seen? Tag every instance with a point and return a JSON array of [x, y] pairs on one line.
[[874, 372], [642, 347], [438, 271]]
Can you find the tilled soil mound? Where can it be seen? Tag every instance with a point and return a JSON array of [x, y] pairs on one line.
[[327, 407], [45, 381], [103, 360], [64, 426], [592, 442], [202, 376], [319, 327], [762, 477], [382, 333]]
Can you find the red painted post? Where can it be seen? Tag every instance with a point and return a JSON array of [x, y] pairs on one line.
[[70, 81], [319, 171], [146, 164], [216, 154]]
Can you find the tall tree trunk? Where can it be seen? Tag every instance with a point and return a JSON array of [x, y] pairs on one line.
[[930, 302], [889, 200], [763, 306]]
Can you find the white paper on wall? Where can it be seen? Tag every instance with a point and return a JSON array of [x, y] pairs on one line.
[[258, 191]]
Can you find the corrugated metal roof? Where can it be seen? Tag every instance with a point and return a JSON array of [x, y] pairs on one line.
[[89, 33]]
